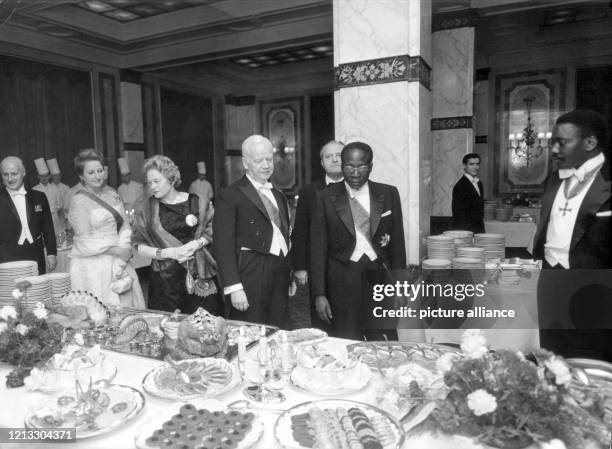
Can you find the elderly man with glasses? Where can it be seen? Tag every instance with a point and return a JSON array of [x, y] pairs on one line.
[[356, 226]]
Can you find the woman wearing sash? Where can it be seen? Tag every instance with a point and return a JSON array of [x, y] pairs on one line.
[[99, 261], [174, 229]]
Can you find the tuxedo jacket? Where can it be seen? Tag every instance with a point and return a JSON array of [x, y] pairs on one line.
[[300, 237], [333, 230], [241, 221], [39, 222], [468, 206], [590, 244]]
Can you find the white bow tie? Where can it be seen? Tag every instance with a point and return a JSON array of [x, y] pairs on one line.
[[267, 185], [565, 173], [21, 191]]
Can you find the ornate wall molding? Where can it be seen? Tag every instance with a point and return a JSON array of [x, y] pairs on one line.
[[443, 123], [456, 19], [383, 70]]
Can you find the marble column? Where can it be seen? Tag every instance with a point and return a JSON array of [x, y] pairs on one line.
[[382, 59], [453, 93]]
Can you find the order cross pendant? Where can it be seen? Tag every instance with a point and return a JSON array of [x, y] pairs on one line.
[[564, 209]]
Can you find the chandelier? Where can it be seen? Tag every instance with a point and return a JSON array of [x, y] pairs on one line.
[[527, 146]]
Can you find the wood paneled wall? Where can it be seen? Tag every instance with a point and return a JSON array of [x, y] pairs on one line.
[[45, 111]]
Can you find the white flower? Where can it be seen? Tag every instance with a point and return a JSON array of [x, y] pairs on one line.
[[521, 356], [78, 339], [461, 442], [40, 312], [7, 312], [191, 220], [17, 294], [3, 327], [473, 344], [481, 402], [559, 368], [553, 444], [35, 380], [445, 362], [22, 329]]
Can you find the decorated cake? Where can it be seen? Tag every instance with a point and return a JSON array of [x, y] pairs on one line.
[[201, 334]]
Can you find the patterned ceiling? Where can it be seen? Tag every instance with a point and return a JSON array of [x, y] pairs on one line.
[[129, 10]]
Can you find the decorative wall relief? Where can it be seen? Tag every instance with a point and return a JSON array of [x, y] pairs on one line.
[[282, 123], [527, 105]]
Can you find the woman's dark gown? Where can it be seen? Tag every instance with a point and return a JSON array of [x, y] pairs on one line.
[[167, 289]]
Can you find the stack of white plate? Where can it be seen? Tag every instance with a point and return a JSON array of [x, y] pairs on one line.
[[9, 271], [60, 285], [503, 213], [489, 210], [40, 291], [473, 252], [509, 274], [468, 270], [467, 263], [437, 270], [466, 237], [437, 264], [493, 244], [440, 247]]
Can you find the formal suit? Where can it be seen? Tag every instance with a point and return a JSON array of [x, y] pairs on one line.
[[468, 206], [559, 290], [243, 234], [333, 238], [40, 223]]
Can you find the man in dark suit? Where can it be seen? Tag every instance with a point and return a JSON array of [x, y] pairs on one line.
[[468, 201], [26, 223], [574, 236], [300, 237], [356, 226], [251, 243]]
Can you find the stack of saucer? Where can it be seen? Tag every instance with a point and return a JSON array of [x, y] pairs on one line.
[[462, 238], [468, 269], [489, 210], [440, 247], [437, 270], [60, 285], [509, 274], [493, 244], [472, 252], [9, 271], [503, 213], [40, 291]]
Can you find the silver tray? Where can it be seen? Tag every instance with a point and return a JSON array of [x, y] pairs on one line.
[[384, 354]]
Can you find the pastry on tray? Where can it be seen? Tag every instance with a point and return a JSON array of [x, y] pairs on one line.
[[201, 334]]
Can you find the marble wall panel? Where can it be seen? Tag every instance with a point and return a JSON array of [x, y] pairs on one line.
[[449, 147], [453, 72], [240, 123]]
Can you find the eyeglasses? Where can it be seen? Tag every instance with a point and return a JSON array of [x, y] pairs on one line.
[[360, 168]]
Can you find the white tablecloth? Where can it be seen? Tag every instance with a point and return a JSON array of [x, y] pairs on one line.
[[517, 234]]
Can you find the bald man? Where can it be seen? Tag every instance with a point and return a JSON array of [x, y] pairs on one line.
[[26, 222], [251, 244]]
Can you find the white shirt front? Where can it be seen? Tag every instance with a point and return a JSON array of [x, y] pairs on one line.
[[474, 182], [329, 180], [563, 215], [131, 194], [19, 200], [362, 244]]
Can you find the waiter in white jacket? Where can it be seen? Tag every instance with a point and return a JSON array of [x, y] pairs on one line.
[[131, 192]]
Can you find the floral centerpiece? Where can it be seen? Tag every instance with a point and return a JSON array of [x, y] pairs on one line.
[[26, 339], [503, 400]]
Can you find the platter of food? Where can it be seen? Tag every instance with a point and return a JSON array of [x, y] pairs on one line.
[[92, 410], [302, 336], [384, 354], [336, 423], [192, 378]]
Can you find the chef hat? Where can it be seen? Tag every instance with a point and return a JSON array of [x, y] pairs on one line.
[[201, 167], [53, 166], [41, 166], [124, 168]]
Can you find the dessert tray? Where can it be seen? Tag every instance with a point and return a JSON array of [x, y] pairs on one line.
[[192, 378], [337, 423], [201, 424], [302, 336], [93, 410], [384, 354]]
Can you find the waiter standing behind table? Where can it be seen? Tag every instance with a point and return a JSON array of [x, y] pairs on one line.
[[357, 225], [300, 237], [574, 234], [131, 192], [251, 244], [26, 223], [468, 201], [201, 186]]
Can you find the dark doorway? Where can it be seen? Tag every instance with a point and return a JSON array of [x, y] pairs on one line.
[[321, 130], [594, 91], [187, 133]]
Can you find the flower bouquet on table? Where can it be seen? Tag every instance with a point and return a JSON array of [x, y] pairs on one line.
[[503, 400], [27, 339]]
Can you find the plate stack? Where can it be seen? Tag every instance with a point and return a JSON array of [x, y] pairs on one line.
[[489, 210], [9, 271], [437, 270], [472, 252], [462, 238], [509, 274], [493, 244], [440, 247], [503, 213], [468, 270], [60, 285], [40, 291]]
